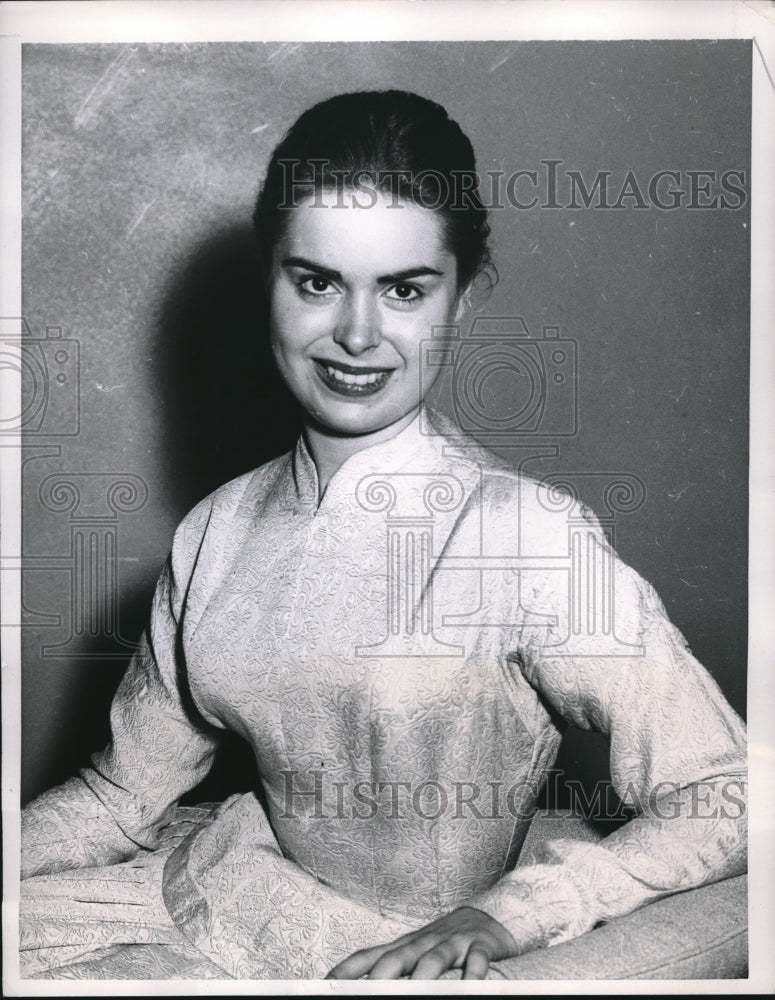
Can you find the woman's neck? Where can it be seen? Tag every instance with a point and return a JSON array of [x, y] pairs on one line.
[[329, 450]]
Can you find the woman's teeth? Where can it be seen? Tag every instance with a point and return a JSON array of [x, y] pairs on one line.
[[368, 379], [352, 384]]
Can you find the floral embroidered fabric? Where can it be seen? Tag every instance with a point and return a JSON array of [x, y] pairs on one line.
[[402, 655]]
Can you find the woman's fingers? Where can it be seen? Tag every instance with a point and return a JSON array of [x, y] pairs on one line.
[[401, 957], [398, 962], [436, 961], [465, 937], [359, 963], [477, 963]]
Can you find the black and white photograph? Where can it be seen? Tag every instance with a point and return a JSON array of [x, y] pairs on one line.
[[382, 437]]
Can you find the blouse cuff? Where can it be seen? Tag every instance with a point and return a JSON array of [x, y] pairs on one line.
[[540, 905], [68, 827]]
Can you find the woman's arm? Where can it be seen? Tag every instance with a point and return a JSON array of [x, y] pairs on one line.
[[678, 758], [159, 748]]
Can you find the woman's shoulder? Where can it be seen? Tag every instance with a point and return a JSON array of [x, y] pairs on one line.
[[499, 475], [244, 495], [510, 499]]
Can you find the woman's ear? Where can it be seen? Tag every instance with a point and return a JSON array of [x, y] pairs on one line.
[[463, 301]]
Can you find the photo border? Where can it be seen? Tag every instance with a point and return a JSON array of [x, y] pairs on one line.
[[394, 20]]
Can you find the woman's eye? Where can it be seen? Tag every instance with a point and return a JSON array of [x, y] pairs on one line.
[[316, 286], [404, 293]]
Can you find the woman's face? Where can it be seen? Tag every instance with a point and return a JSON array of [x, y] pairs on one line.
[[354, 293]]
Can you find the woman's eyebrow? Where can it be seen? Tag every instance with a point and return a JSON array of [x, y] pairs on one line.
[[385, 279], [310, 265], [410, 272]]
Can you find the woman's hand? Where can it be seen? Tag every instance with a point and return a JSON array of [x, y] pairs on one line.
[[466, 938]]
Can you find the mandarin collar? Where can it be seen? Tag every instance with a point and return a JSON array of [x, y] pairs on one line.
[[416, 447]]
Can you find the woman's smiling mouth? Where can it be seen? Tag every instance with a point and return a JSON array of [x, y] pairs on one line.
[[349, 381]]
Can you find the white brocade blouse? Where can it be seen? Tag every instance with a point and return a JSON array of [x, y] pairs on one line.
[[402, 657]]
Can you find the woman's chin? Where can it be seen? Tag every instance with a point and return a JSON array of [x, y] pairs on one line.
[[354, 419]]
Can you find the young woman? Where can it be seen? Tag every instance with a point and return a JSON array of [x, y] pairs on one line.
[[386, 615]]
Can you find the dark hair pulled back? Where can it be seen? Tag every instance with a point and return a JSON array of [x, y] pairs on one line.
[[396, 142]]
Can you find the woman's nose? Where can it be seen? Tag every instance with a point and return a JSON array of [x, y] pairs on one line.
[[357, 329]]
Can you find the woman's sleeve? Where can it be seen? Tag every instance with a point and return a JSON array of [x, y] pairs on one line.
[[678, 759], [159, 748]]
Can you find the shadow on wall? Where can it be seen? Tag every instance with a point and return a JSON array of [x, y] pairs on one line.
[[226, 409], [76, 712]]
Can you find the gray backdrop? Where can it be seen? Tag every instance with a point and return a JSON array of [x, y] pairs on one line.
[[146, 375]]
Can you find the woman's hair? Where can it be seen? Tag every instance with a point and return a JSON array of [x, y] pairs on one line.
[[391, 142]]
